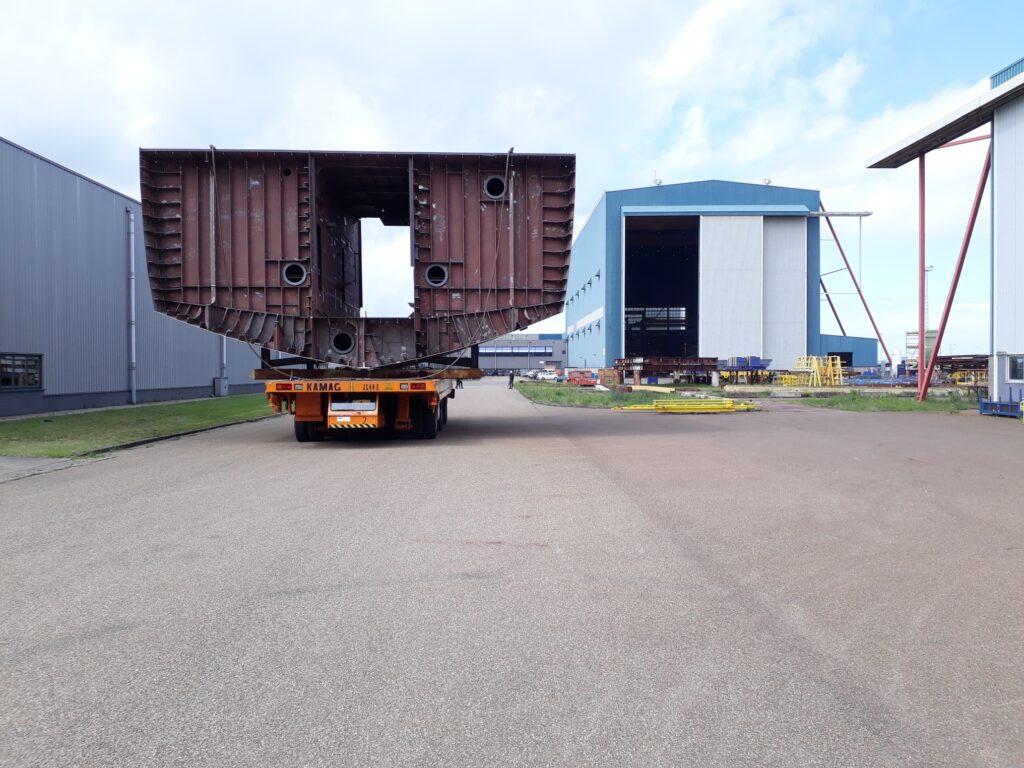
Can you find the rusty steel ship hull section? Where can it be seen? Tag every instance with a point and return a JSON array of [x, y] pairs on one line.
[[265, 246]]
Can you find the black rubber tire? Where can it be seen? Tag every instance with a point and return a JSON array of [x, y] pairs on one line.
[[308, 432], [428, 419], [388, 406]]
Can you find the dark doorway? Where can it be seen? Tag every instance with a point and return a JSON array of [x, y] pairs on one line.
[[662, 285], [846, 358]]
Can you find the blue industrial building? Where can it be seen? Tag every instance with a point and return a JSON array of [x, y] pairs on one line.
[[710, 269]]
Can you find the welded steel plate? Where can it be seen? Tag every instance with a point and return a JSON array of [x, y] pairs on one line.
[[265, 246]]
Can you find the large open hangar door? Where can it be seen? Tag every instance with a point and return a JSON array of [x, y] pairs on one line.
[[662, 285]]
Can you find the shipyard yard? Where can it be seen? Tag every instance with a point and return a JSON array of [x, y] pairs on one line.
[[540, 586]]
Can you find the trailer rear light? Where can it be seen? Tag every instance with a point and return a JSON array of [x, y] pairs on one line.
[[284, 387], [416, 385]]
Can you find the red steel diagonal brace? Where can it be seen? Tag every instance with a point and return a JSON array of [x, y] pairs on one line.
[[829, 297], [922, 391], [856, 285]]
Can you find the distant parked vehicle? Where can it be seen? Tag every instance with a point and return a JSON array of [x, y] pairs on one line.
[[547, 376]]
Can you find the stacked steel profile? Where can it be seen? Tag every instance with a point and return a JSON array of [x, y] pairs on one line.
[[691, 405], [265, 246]]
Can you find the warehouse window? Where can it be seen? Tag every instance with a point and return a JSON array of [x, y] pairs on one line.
[[656, 318], [21, 371], [516, 350], [1016, 368]]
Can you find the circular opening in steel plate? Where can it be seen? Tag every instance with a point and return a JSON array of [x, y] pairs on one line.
[[343, 342], [494, 187], [436, 275], [287, 172], [294, 273]]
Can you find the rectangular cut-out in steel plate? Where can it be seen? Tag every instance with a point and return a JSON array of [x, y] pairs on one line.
[[264, 246]]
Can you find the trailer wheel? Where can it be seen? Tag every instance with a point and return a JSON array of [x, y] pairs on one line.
[[428, 419], [308, 432]]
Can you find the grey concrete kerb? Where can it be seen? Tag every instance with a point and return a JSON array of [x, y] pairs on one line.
[[17, 467]]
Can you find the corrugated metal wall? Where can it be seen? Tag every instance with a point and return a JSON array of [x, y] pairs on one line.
[[865, 351], [1007, 238], [63, 260], [586, 323], [785, 288], [1006, 73], [730, 285], [64, 289]]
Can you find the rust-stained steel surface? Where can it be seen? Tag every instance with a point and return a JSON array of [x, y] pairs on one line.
[[264, 246]]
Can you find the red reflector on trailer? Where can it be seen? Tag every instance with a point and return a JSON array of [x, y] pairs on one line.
[[284, 387], [414, 385]]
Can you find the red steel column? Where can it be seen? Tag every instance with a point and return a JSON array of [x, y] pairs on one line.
[[959, 268], [920, 278]]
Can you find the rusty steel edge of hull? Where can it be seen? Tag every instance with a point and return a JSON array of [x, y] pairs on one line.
[[342, 153], [264, 246]]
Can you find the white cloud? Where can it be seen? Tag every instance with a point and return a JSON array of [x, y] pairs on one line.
[[733, 89], [321, 111], [804, 132], [690, 145], [694, 46], [835, 83], [387, 274]]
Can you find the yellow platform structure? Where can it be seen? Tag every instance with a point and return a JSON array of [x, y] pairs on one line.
[[814, 371]]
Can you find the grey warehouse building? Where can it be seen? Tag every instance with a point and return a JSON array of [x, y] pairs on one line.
[[67, 299], [524, 352]]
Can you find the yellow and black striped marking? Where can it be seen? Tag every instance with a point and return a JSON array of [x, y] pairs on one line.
[[349, 425]]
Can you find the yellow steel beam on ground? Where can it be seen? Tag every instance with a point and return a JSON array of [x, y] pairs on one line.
[[691, 405]]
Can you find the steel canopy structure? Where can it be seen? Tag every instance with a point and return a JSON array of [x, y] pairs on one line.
[[945, 133], [972, 115]]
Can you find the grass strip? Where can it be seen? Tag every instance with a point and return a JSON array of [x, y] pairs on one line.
[[857, 402], [583, 397], [81, 433]]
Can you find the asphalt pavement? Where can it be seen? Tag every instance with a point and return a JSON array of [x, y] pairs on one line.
[[538, 586]]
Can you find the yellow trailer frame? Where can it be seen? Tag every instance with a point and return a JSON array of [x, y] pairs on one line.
[[321, 406]]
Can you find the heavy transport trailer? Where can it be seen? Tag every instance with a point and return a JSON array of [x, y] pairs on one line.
[[416, 406]]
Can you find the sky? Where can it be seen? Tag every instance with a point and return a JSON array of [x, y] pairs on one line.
[[798, 92]]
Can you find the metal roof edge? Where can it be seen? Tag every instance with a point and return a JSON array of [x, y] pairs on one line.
[[716, 210], [713, 181], [971, 115], [73, 172], [576, 233]]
